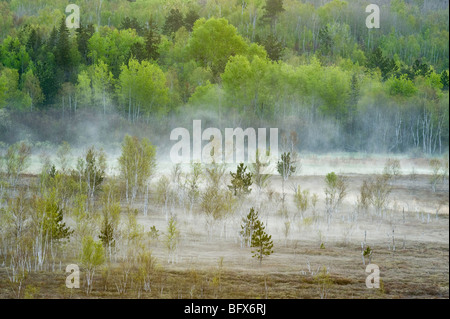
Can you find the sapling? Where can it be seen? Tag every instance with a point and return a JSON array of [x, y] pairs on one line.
[[437, 173], [260, 170], [171, 239], [286, 167], [301, 199], [240, 181], [261, 241], [248, 226], [137, 164], [92, 256], [392, 168], [379, 193], [324, 282], [335, 192], [192, 184], [17, 159]]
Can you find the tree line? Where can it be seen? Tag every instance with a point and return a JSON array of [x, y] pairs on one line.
[[371, 90]]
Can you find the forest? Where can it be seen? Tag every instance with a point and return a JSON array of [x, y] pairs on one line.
[[85, 119], [312, 64]]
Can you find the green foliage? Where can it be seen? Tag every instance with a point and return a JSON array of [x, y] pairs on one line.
[[110, 223], [17, 159], [301, 199], [325, 40], [365, 196], [260, 169], [154, 233], [392, 168], [335, 191], [367, 252], [142, 89], [261, 241], [92, 256], [444, 80], [402, 86], [174, 21], [172, 237], [377, 60], [10, 95], [273, 47], [193, 181], [215, 204], [324, 282], [63, 155], [315, 62], [50, 218], [213, 41], [90, 171], [248, 226], [190, 19], [152, 42], [271, 9], [137, 163], [240, 181], [379, 192], [286, 166]]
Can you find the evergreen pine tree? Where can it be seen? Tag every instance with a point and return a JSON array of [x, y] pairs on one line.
[[62, 50], [174, 21], [240, 181], [261, 241], [248, 226], [152, 41], [190, 19], [273, 47], [271, 9]]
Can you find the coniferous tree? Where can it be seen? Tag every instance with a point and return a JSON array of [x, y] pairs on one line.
[[107, 233], [421, 69], [325, 40], [444, 80], [248, 226], [174, 21], [261, 241], [84, 33], [152, 41], [62, 51], [271, 9], [132, 23], [190, 19], [240, 181], [273, 47], [286, 168], [386, 65]]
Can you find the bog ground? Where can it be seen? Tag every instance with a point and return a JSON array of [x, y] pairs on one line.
[[312, 258]]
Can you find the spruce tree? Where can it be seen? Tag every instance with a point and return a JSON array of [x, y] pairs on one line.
[[62, 51], [248, 226], [271, 9], [174, 21], [190, 19], [152, 41], [261, 241], [273, 47]]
